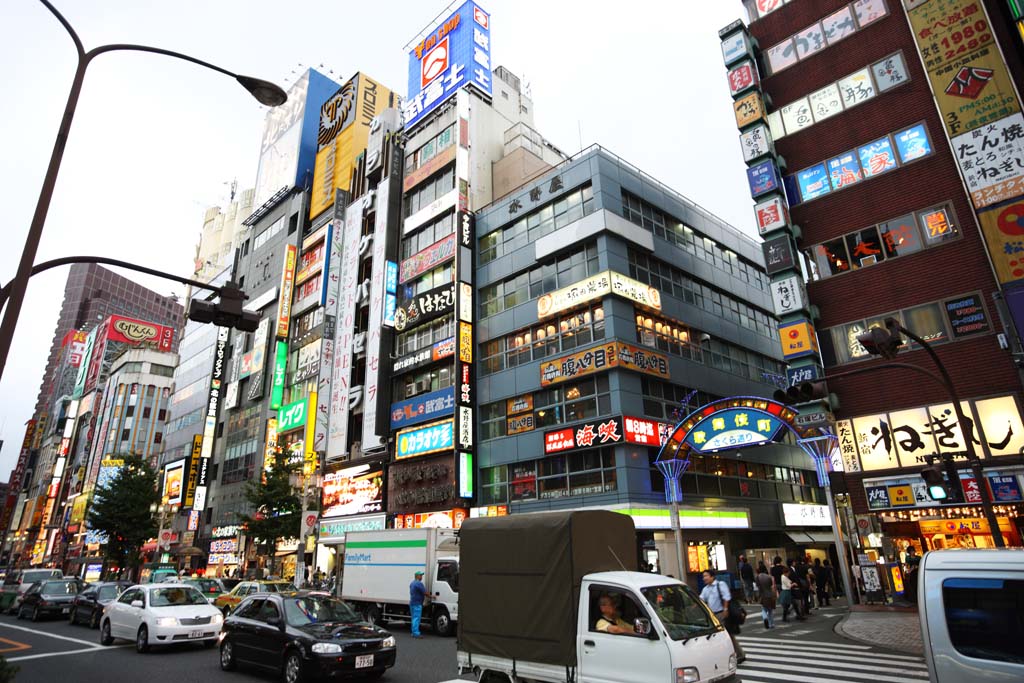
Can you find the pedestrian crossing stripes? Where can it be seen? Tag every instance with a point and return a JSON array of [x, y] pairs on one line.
[[818, 661]]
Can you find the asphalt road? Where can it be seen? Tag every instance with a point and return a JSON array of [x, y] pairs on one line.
[[53, 651]]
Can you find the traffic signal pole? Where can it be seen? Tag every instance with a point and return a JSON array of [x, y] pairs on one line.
[[965, 424]]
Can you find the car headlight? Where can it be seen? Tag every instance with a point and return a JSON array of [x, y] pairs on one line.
[[217, 618], [166, 621], [688, 674], [388, 642], [326, 648]]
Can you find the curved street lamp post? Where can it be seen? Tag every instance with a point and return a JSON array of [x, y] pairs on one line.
[[265, 92]]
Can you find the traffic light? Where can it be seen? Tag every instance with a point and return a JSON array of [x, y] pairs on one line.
[[227, 312], [937, 487], [879, 342], [803, 392]]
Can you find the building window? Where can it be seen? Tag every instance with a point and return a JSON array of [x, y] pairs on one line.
[[423, 381], [426, 335], [429, 234], [438, 185], [430, 149], [265, 236], [583, 473], [555, 214], [541, 279], [494, 485], [559, 334], [582, 400], [662, 399]]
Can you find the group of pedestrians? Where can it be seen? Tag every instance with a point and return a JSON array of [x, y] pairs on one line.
[[791, 586]]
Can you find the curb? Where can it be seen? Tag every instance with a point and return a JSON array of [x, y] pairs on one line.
[[841, 632]]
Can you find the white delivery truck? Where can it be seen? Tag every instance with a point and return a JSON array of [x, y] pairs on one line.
[[540, 590], [380, 565]]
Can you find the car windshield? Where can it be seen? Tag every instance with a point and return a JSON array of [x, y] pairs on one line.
[[274, 587], [316, 609], [32, 577], [107, 593], [205, 585], [680, 611], [59, 588], [176, 595]]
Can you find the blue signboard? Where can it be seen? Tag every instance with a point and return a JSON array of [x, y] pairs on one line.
[[390, 292], [913, 143], [805, 373], [877, 157], [733, 428], [1005, 488], [429, 406], [792, 191], [423, 440], [813, 182], [844, 170], [763, 178], [455, 54]]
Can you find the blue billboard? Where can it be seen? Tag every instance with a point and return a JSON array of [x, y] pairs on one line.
[[423, 440], [913, 143], [763, 178], [455, 54], [733, 428], [429, 406], [813, 182]]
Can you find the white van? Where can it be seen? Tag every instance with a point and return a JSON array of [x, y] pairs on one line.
[[971, 604]]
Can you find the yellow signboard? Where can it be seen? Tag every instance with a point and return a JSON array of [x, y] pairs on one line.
[[968, 76], [193, 470], [902, 495], [309, 462], [797, 339], [600, 358], [342, 142], [1004, 232], [748, 109]]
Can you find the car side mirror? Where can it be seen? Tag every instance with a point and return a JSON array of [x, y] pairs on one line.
[[642, 627], [137, 603]]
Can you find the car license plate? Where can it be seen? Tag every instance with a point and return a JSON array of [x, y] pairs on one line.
[[195, 634], [363, 661]]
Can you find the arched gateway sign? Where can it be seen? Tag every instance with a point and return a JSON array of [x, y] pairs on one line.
[[737, 422]]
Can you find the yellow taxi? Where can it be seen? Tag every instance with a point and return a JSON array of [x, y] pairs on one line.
[[226, 602]]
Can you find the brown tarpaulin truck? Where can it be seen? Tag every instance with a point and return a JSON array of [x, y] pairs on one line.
[[531, 588]]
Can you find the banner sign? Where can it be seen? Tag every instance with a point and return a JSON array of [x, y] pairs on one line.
[[597, 287], [174, 473], [193, 470], [427, 259], [733, 428], [292, 416], [284, 301], [424, 307], [635, 430], [429, 406], [352, 491], [432, 438], [442, 349], [280, 368], [455, 54], [603, 357]]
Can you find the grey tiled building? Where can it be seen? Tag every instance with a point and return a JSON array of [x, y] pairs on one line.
[[605, 299]]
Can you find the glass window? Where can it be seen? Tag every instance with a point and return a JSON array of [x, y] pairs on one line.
[[937, 226], [900, 236], [877, 157], [523, 482], [927, 322], [985, 617], [846, 345], [865, 247]]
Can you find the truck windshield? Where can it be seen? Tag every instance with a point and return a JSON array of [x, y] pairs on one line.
[[680, 611]]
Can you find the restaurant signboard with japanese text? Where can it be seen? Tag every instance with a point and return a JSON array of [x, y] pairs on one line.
[[594, 433], [748, 109], [1003, 228], [778, 254], [798, 339], [284, 301], [425, 306], [431, 438], [603, 357], [597, 287], [992, 160], [906, 438], [352, 491], [429, 406]]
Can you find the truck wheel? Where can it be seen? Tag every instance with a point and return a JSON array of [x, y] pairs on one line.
[[493, 677], [373, 615], [443, 623]]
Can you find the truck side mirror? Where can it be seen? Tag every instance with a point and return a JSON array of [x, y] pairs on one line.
[[642, 627]]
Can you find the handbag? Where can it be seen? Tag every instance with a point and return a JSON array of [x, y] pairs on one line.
[[737, 615]]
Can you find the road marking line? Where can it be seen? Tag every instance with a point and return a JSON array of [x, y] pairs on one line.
[[786, 668], [15, 646], [841, 646], [796, 648], [769, 656], [65, 652], [51, 635]]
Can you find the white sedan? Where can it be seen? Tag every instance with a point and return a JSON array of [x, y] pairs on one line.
[[161, 614]]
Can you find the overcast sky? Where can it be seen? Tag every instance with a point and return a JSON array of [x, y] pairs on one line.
[[156, 141]]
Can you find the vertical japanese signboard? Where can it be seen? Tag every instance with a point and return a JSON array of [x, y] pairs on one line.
[[284, 300], [210, 425], [371, 438], [329, 300], [464, 374]]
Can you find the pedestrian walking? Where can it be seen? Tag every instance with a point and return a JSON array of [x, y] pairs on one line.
[[776, 571], [716, 595], [747, 579], [822, 579], [766, 591], [417, 594], [786, 600]]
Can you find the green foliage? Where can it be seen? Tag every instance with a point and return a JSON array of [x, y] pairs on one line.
[[7, 671], [277, 505], [122, 511]]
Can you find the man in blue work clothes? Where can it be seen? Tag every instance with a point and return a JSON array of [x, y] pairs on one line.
[[417, 593]]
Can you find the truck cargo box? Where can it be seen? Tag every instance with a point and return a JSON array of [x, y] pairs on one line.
[[521, 579]]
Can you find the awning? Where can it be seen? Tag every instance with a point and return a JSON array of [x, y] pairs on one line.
[[806, 537], [190, 551]]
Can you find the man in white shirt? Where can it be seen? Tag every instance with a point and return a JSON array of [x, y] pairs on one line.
[[716, 595]]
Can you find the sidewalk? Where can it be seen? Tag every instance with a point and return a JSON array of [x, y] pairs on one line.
[[894, 628]]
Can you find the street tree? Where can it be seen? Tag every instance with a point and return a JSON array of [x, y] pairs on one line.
[[276, 505], [122, 511]]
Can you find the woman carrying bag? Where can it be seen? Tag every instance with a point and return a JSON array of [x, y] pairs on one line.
[[766, 588]]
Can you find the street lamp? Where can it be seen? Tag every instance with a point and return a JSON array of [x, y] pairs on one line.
[[265, 93]]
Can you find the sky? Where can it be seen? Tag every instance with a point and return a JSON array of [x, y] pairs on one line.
[[157, 141]]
